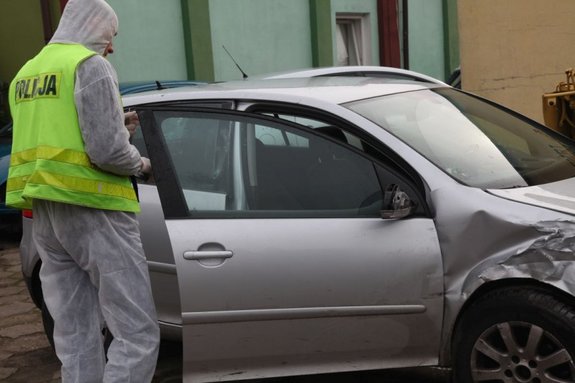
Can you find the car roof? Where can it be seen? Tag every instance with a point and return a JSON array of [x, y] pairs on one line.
[[353, 70], [334, 90]]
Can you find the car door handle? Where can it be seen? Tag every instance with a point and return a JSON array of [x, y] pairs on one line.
[[199, 255]]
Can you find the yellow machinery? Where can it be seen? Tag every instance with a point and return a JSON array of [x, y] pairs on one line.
[[559, 106]]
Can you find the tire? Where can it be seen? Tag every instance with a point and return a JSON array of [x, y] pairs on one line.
[[515, 335]]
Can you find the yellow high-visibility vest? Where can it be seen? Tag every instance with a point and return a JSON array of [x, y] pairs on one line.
[[48, 159]]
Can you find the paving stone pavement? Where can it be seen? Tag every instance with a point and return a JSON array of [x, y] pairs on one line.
[[25, 354]]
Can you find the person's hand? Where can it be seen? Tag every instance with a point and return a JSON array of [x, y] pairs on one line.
[[146, 166], [132, 121], [145, 169]]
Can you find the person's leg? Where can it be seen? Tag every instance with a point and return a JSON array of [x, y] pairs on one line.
[[117, 266], [107, 246], [72, 301], [130, 315], [127, 303]]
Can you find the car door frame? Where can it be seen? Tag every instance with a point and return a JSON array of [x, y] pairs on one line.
[[156, 207], [175, 207]]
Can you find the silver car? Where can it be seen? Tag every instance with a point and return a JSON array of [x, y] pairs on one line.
[[303, 226]]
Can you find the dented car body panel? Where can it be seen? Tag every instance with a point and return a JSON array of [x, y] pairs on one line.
[[517, 242], [259, 285]]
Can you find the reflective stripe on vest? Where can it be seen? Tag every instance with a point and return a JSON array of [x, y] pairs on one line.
[[82, 182]]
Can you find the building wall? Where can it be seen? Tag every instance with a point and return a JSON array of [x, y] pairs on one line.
[[262, 36], [282, 40], [21, 35], [513, 51], [426, 37], [150, 42], [183, 39]]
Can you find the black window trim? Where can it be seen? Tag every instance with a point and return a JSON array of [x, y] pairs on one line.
[[164, 173], [211, 104]]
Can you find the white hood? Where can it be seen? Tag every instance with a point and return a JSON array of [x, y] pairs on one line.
[[92, 23], [559, 196]]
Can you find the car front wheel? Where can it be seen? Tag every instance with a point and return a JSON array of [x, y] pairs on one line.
[[515, 335]]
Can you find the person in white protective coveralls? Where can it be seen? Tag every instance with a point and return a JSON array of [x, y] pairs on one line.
[[93, 266]]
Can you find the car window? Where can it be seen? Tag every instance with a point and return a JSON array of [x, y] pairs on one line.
[[388, 170], [276, 137], [476, 142], [200, 151], [138, 141], [321, 126], [238, 166]]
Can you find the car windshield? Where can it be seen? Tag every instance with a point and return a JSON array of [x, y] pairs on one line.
[[474, 141]]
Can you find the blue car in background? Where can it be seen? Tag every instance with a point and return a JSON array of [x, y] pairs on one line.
[[11, 219]]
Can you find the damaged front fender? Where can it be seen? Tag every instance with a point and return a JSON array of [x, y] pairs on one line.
[[485, 238], [548, 259]]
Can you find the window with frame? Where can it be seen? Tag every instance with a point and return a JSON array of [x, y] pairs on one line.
[[353, 43]]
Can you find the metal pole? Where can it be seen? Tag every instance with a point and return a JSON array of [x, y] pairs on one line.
[[405, 35]]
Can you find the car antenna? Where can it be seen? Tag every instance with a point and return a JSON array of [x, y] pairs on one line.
[[237, 65], [159, 85]]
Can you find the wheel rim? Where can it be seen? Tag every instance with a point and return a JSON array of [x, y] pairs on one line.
[[520, 352]]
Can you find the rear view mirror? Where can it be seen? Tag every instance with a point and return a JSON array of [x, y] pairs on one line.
[[396, 203]]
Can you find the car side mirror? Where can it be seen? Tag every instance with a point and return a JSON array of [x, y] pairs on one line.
[[396, 203]]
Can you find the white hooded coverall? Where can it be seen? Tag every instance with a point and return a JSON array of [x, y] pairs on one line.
[[93, 265]]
